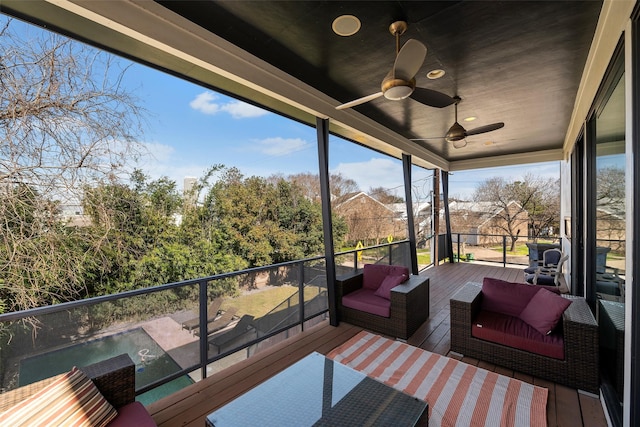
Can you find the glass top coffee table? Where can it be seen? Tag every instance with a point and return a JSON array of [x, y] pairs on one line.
[[316, 391]]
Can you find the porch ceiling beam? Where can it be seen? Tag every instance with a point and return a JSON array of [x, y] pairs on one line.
[[507, 160]]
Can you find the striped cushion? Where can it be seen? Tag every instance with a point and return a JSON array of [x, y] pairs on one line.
[[71, 400]]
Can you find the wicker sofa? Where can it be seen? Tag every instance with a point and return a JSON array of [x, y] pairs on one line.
[[408, 305], [114, 378], [579, 366]]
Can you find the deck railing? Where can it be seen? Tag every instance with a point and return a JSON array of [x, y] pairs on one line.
[[168, 330], [494, 248]]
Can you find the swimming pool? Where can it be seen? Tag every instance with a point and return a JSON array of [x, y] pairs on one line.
[[152, 363]]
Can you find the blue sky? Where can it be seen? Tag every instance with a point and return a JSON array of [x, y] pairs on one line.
[[191, 128]]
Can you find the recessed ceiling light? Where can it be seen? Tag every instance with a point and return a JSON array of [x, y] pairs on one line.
[[469, 119], [346, 25], [435, 74]]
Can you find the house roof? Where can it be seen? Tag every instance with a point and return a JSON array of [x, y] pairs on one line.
[[350, 197]]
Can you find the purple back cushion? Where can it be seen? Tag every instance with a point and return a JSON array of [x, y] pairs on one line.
[[506, 297], [544, 311], [374, 274], [387, 284]]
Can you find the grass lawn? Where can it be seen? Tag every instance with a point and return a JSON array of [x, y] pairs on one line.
[[424, 257], [259, 303], [520, 249]]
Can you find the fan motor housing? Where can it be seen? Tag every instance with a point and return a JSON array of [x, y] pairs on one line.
[[395, 89], [455, 133]]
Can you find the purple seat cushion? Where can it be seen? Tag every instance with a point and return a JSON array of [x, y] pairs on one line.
[[366, 300], [514, 332], [374, 274], [508, 298], [387, 284], [544, 311], [133, 414]]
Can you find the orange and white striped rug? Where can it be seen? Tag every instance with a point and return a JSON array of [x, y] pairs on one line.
[[458, 394]]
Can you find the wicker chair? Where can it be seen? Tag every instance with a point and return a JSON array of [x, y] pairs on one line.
[[409, 306], [115, 378], [579, 369]]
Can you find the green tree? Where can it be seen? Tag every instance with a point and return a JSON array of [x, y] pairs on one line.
[[43, 262], [65, 122], [265, 221]]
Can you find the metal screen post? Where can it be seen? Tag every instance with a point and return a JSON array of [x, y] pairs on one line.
[[411, 228], [504, 251], [204, 344], [301, 293], [322, 130]]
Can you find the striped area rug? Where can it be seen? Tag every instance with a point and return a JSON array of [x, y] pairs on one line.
[[458, 394]]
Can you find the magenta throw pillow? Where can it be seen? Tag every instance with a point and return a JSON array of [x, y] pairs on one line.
[[374, 274], [544, 311], [505, 297], [387, 284]]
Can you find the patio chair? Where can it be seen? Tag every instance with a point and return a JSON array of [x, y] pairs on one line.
[[609, 284], [221, 322], [212, 313], [244, 325], [550, 258], [550, 273], [577, 327], [406, 305]]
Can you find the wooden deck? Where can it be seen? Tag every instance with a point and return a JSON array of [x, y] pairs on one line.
[[190, 406]]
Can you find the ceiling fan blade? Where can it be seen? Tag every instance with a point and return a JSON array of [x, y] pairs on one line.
[[409, 60], [359, 101], [487, 128], [432, 98]]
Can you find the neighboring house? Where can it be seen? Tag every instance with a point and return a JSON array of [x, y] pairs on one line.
[[421, 218], [610, 226], [73, 215], [480, 223], [368, 220]]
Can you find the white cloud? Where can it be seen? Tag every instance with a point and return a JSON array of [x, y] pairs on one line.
[[282, 146], [205, 103], [159, 152], [376, 172]]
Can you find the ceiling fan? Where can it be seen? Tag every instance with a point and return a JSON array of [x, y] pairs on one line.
[[457, 134], [400, 82]]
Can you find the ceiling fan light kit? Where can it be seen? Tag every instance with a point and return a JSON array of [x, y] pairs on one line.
[[460, 143]]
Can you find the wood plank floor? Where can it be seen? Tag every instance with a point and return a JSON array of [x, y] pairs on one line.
[[190, 406]]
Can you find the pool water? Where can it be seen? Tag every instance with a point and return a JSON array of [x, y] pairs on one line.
[[152, 363]]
